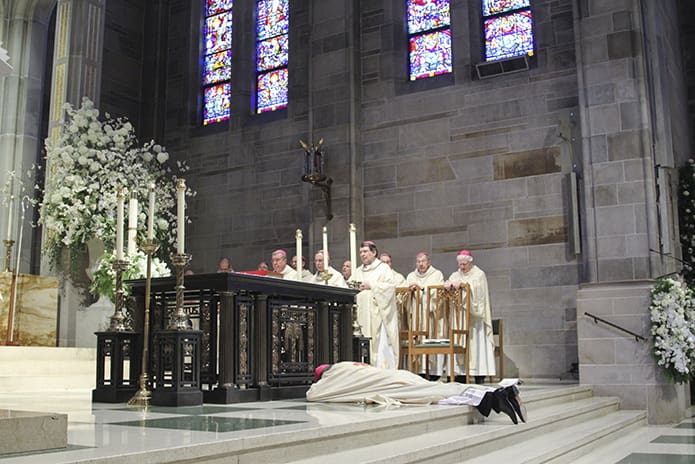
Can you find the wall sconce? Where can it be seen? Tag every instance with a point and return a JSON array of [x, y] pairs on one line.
[[313, 172]]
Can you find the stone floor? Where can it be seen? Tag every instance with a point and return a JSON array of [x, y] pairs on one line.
[[107, 431]]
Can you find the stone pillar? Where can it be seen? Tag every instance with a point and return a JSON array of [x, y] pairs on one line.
[[76, 73], [23, 33], [615, 363]]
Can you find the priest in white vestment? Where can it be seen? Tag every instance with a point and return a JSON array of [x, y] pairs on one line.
[[353, 382], [386, 258], [335, 279], [482, 347], [376, 306], [426, 275], [307, 276], [279, 262]]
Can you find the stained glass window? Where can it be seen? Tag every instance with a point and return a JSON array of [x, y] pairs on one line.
[[217, 61], [507, 28], [272, 54], [429, 37]]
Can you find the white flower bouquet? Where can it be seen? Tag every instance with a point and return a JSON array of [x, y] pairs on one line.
[[88, 163], [104, 278], [672, 311]]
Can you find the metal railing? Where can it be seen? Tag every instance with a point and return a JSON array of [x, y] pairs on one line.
[[597, 319]]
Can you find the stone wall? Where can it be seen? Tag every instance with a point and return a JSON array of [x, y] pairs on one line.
[[617, 364]]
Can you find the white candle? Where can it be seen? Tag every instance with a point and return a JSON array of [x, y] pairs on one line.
[[150, 215], [353, 246], [132, 224], [325, 247], [180, 214], [120, 196], [10, 204], [298, 236]]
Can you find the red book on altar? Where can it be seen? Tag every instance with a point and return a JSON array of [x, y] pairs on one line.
[[262, 272]]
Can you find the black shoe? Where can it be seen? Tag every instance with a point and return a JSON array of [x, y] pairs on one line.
[[480, 379], [503, 405], [460, 378], [515, 401], [486, 404]]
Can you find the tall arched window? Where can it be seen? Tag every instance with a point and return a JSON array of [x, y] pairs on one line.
[[429, 37], [217, 61], [507, 28], [272, 52]]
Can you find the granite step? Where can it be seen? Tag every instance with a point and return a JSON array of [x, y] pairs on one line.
[[553, 414]]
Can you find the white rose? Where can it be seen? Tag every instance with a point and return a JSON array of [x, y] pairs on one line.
[[147, 157], [162, 157], [157, 148]]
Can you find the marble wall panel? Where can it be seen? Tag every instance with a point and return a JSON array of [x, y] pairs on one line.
[[36, 309]]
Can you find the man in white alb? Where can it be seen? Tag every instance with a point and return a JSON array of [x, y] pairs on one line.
[[482, 348], [376, 306], [307, 276], [386, 258], [422, 277], [335, 279], [279, 261]]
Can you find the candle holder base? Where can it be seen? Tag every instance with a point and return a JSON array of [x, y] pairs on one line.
[[8, 254], [118, 320], [356, 327]]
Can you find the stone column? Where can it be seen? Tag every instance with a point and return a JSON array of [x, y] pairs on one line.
[[76, 73]]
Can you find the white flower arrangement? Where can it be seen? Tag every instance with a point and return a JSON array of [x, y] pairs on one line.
[[104, 278], [88, 164], [672, 311]]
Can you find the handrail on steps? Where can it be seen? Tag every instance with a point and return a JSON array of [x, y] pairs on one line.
[[596, 319]]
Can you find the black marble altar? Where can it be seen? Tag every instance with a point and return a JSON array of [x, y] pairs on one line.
[[262, 337]]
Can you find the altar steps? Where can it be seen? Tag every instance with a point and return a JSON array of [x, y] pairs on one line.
[[561, 427], [42, 369]]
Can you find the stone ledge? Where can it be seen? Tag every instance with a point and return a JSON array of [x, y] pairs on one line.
[[22, 431]]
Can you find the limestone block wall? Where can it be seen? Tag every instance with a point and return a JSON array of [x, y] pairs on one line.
[[455, 162], [614, 362]]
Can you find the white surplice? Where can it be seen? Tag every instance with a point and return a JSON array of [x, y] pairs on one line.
[[336, 279]]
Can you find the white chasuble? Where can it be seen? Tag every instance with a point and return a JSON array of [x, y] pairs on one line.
[[351, 382], [377, 312], [482, 348], [289, 273]]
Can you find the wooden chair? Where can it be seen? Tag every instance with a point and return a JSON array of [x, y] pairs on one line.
[[498, 338], [409, 304], [446, 327]]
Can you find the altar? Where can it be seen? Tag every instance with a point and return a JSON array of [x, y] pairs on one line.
[[262, 337]]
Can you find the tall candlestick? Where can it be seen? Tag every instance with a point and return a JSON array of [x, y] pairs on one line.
[[325, 247], [150, 215], [120, 196], [9, 217], [180, 214], [353, 246], [298, 236], [132, 223]]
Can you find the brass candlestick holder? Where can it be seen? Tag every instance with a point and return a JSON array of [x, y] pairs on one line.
[[8, 254], [180, 321], [356, 327], [143, 396], [118, 323]]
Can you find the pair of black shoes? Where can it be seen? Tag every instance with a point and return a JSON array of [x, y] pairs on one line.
[[503, 400]]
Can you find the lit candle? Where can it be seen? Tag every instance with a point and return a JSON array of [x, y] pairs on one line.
[[325, 247], [9, 217], [150, 215], [353, 246], [132, 223], [120, 196], [180, 214], [298, 236]]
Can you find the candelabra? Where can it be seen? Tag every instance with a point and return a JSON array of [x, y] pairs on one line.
[[118, 322], [143, 395], [180, 319], [8, 254]]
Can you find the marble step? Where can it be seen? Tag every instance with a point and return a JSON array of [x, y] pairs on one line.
[[567, 444], [10, 354], [432, 443], [42, 383]]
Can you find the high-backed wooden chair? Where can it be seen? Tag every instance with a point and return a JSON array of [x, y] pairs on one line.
[[409, 303], [498, 337], [446, 327]]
